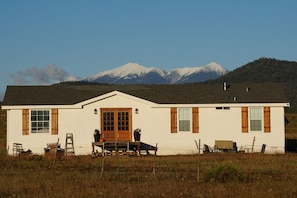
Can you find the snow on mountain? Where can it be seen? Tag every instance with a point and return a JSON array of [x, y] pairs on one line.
[[214, 67], [133, 73], [206, 72], [128, 69], [211, 67]]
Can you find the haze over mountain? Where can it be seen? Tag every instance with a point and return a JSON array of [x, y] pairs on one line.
[[134, 73]]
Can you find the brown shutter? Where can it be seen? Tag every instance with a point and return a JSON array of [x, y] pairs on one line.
[[244, 120], [25, 119], [173, 115], [195, 119], [267, 127], [54, 121]]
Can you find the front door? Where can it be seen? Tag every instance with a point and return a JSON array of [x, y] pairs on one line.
[[116, 124]]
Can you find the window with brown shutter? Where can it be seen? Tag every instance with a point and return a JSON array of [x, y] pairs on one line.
[[267, 127], [25, 122], [173, 118], [195, 119], [54, 121], [244, 120]]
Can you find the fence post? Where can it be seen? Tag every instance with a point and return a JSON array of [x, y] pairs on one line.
[[154, 169], [198, 159]]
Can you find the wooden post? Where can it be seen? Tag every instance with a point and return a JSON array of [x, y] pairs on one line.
[[253, 144], [250, 161], [154, 171], [53, 167], [198, 159], [102, 166]]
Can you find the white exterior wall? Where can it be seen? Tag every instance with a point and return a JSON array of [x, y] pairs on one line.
[[226, 125], [214, 125], [154, 122], [35, 141], [80, 121]]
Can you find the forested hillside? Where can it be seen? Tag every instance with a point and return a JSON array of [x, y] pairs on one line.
[[267, 70]]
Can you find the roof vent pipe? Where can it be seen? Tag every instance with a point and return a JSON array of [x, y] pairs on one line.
[[234, 98], [225, 86], [247, 89]]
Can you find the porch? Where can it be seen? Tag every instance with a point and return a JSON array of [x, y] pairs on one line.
[[123, 148]]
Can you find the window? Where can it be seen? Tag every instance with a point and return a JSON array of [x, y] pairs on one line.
[[256, 119], [184, 119], [108, 121], [40, 121], [123, 120]]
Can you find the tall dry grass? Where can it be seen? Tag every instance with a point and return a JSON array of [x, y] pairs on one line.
[[291, 128], [175, 176]]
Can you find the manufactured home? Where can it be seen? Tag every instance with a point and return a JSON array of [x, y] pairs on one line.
[[173, 117]]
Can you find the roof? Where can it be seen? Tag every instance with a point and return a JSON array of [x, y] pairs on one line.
[[196, 93]]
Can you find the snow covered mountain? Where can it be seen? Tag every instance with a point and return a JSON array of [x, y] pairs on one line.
[[133, 73]]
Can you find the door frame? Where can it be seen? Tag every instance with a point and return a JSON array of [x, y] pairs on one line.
[[116, 130]]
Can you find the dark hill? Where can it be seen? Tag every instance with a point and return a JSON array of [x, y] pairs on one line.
[[266, 70], [262, 70]]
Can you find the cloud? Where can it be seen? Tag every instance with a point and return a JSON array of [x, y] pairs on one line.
[[49, 74], [19, 78]]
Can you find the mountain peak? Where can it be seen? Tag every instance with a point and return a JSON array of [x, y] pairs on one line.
[[213, 66], [136, 73], [131, 67]]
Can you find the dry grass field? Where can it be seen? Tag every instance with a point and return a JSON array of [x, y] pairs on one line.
[[291, 129], [219, 175], [207, 175]]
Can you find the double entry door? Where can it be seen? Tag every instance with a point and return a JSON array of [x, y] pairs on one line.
[[116, 124]]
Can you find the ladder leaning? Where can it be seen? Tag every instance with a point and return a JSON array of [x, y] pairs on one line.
[[69, 145]]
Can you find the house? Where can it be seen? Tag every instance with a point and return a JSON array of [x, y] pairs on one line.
[[173, 116]]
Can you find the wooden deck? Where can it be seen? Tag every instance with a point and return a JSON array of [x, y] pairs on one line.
[[123, 148]]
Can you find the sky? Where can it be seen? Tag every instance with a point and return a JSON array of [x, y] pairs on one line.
[[47, 41]]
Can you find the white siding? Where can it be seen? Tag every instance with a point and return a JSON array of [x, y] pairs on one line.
[[155, 124], [35, 142]]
